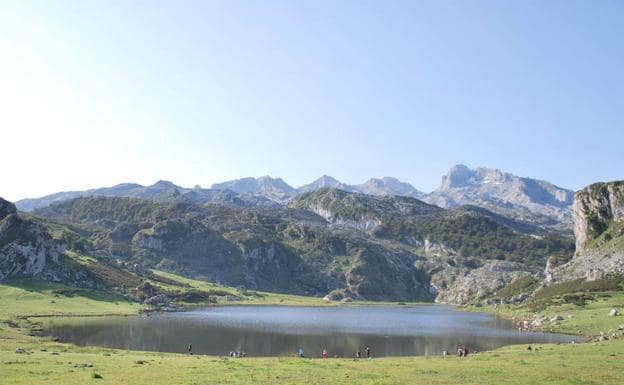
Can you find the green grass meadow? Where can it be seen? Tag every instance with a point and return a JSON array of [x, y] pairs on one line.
[[25, 306]]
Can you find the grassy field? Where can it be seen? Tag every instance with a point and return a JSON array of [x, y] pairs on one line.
[[33, 299], [50, 362]]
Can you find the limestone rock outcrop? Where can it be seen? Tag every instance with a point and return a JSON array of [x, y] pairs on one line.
[[595, 208], [599, 231], [26, 248]]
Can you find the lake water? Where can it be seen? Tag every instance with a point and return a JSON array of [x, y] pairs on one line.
[[281, 330]]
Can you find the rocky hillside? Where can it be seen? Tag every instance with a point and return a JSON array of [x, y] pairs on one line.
[[466, 231], [283, 250], [326, 243], [526, 199]]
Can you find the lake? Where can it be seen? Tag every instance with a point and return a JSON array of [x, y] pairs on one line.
[[281, 330]]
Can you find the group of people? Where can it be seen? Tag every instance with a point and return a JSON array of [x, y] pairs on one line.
[[462, 351], [235, 354], [367, 350], [325, 353]]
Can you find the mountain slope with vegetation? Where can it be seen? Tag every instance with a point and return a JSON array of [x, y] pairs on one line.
[[325, 243]]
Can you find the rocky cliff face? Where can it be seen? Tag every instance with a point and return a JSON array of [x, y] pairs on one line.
[[26, 248], [596, 208]]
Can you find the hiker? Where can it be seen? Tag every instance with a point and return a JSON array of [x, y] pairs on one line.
[[460, 351], [324, 354], [358, 354], [301, 355], [368, 352], [190, 348], [465, 351]]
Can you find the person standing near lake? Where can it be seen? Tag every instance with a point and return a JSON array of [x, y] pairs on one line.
[[301, 355], [368, 352], [190, 349], [324, 354]]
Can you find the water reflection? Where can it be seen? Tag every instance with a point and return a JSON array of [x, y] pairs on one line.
[[270, 331]]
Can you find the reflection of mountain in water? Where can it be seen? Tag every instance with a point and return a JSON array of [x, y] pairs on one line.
[[268, 331]]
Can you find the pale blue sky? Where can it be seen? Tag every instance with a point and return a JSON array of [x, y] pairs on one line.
[[97, 93]]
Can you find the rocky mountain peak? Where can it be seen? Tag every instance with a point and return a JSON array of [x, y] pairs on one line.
[[273, 188], [277, 183], [388, 186], [458, 176], [161, 183], [324, 181], [535, 201]]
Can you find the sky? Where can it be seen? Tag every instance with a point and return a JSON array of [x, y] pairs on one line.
[[95, 93]]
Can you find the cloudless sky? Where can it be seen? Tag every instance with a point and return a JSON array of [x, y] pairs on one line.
[[95, 93]]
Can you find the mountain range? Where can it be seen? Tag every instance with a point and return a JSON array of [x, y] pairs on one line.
[[533, 201], [326, 242]]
